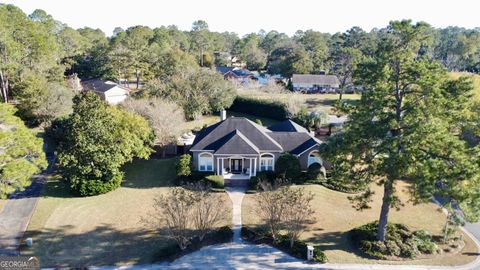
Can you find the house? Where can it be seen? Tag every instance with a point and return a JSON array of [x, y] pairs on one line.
[[235, 73], [239, 147], [109, 91], [309, 83]]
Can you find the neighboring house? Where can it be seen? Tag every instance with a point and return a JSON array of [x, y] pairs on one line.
[[109, 91], [315, 83], [235, 73], [237, 146]]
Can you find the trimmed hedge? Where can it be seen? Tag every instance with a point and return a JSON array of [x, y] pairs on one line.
[[260, 107], [400, 242], [299, 249], [216, 181]]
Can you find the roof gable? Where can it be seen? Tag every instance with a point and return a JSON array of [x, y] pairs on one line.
[[236, 143], [256, 134]]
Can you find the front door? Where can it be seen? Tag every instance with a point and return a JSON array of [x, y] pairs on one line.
[[236, 165]]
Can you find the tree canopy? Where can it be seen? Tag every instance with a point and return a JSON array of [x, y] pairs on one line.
[[21, 152], [98, 139], [406, 125]]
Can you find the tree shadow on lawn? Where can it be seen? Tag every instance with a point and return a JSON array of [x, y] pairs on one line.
[[335, 241], [151, 173], [104, 245]]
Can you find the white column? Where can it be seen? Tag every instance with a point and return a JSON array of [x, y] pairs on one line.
[[218, 166], [223, 165], [255, 167], [250, 167]]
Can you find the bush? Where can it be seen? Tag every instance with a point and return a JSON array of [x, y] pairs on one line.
[[315, 174], [319, 255], [260, 107], [288, 167], [400, 241], [92, 187], [216, 181], [183, 166]]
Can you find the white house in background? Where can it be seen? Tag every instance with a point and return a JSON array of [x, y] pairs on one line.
[[309, 83], [109, 91]]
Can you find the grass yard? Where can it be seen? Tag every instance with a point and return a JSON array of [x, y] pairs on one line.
[[200, 123], [312, 101], [108, 229], [335, 217]]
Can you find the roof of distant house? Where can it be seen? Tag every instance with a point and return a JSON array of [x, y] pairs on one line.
[[315, 79], [100, 86], [224, 69]]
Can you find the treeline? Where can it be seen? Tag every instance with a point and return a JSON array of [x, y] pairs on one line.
[[39, 51]]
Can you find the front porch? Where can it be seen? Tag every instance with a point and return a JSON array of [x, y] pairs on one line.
[[236, 167]]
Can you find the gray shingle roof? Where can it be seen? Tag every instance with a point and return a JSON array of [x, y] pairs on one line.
[[255, 134], [294, 142], [238, 135], [287, 125], [315, 79], [237, 143]]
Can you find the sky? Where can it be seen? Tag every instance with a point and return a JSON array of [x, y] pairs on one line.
[[246, 16]]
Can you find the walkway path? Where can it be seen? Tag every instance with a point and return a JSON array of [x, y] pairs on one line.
[[17, 213], [236, 195]]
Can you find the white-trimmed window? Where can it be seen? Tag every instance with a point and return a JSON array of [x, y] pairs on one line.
[[314, 157], [205, 162], [266, 162]]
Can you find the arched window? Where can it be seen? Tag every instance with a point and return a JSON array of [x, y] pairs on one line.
[[314, 157], [205, 162], [267, 162]]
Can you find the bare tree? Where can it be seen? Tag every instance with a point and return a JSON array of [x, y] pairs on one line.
[[165, 117], [270, 206], [208, 210], [298, 212], [174, 211], [284, 208]]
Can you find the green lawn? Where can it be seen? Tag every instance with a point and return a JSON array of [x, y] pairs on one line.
[[311, 101], [109, 229], [335, 216]]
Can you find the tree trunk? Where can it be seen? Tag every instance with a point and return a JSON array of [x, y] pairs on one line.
[[341, 94], [4, 86], [138, 78], [385, 210]]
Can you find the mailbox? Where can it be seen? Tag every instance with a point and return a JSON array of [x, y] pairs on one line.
[[309, 253]]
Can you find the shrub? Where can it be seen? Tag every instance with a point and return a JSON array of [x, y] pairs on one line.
[[92, 187], [315, 174], [400, 242], [261, 107], [215, 180], [288, 167], [183, 166], [319, 255]]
